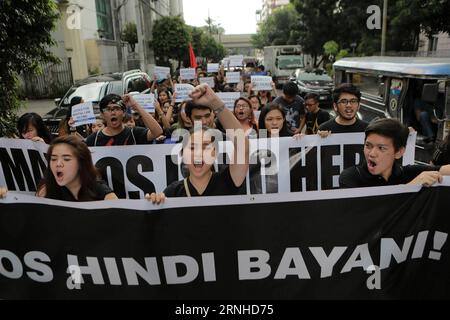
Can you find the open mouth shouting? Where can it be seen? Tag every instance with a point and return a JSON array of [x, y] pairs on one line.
[[115, 121], [59, 177]]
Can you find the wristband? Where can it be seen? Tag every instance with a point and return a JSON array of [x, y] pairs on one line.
[[219, 110]]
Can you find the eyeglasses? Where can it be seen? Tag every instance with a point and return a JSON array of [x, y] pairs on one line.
[[112, 109], [243, 106], [353, 102], [311, 104]]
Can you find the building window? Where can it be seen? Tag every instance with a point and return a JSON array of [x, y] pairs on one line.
[[433, 42], [104, 19]]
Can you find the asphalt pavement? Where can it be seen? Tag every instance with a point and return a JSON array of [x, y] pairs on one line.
[[40, 107]]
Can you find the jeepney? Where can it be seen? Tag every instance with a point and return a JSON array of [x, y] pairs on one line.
[[405, 88]]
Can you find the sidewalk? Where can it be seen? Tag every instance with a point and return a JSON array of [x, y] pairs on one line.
[[40, 107]]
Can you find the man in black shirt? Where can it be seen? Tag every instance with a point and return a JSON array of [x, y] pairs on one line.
[[294, 107], [384, 146], [346, 104], [315, 116], [113, 109]]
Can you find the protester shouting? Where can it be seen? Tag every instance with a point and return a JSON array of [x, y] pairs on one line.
[[200, 152]]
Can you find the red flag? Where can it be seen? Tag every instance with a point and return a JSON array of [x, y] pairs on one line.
[[192, 57]]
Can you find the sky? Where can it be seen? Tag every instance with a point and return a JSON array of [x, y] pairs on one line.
[[235, 16]]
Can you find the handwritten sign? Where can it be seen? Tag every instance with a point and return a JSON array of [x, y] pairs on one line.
[[183, 90], [257, 115], [147, 101], [229, 98], [209, 81], [236, 61], [83, 114], [233, 77], [262, 83], [162, 72], [187, 74], [213, 67]]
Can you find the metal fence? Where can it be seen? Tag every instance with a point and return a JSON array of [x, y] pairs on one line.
[[435, 54], [52, 82]]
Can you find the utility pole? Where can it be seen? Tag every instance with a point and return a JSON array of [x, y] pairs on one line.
[[384, 31], [117, 33]]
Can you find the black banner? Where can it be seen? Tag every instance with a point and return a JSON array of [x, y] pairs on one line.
[[318, 245]]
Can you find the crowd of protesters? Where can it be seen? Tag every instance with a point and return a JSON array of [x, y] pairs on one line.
[[71, 176]]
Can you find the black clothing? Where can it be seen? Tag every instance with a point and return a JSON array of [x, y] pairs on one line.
[[137, 135], [334, 127], [314, 120], [441, 156], [101, 190], [360, 177], [294, 110], [221, 184]]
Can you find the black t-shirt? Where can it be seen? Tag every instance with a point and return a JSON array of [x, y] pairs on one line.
[[314, 120], [360, 177], [294, 110], [334, 127], [221, 184], [101, 191], [128, 136]]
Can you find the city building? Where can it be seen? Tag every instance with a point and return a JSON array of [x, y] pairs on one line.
[[437, 45], [89, 33], [237, 44], [269, 5]]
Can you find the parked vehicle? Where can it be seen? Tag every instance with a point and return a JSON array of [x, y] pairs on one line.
[[315, 81], [93, 89], [282, 61], [414, 90]]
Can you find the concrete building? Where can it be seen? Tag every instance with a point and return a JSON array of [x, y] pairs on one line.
[[269, 5], [438, 45], [237, 44], [89, 33]]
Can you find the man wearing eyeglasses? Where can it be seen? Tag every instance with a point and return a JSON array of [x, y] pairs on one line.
[[347, 99], [113, 109]]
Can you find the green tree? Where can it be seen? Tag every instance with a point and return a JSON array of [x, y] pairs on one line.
[[206, 46], [129, 34], [280, 28], [25, 34], [171, 38]]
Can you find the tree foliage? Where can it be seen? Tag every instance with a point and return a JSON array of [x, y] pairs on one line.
[[25, 34], [130, 35], [280, 28], [345, 22], [171, 38]]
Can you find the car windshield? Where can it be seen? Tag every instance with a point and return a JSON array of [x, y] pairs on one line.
[[89, 92], [304, 76], [290, 62]]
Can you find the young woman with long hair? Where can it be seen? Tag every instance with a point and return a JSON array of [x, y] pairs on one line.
[[71, 174], [31, 126]]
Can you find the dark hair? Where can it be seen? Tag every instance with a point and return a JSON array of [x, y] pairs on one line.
[[290, 89], [36, 121], [111, 98], [313, 96], [252, 114], [259, 100], [167, 92], [390, 128], [191, 106], [285, 131], [345, 88], [86, 171], [127, 117]]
